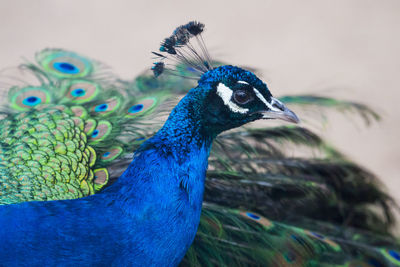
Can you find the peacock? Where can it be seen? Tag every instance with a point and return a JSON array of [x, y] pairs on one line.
[[88, 177]]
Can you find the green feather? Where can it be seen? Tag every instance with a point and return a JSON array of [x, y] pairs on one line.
[[71, 132], [364, 111], [72, 128]]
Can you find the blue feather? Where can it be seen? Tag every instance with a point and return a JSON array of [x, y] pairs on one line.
[[154, 206], [151, 214]]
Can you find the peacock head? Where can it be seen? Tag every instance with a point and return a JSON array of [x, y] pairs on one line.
[[237, 96], [231, 96]]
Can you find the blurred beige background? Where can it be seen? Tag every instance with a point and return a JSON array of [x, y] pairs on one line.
[[344, 48]]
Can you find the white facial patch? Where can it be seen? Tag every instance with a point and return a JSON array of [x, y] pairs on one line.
[[269, 105], [226, 94]]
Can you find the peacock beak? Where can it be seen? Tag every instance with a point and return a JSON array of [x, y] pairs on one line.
[[277, 110]]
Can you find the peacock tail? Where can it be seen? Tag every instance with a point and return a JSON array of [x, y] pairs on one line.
[[60, 136], [72, 131]]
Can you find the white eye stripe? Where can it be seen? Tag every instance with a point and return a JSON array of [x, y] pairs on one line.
[[243, 82], [226, 94], [262, 98]]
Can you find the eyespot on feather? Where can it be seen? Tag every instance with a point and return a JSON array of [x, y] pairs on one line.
[[100, 178], [80, 91], [141, 107], [101, 132], [107, 107], [64, 64], [29, 97], [111, 154], [259, 219]]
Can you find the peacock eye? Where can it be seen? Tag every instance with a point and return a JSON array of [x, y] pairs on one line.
[[242, 97]]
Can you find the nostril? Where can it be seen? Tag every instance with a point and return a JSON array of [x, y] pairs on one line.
[[278, 105]]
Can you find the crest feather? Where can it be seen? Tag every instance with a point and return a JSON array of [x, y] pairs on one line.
[[179, 50]]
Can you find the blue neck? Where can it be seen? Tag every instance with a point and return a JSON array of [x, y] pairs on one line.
[[165, 181], [184, 131], [154, 206], [179, 150]]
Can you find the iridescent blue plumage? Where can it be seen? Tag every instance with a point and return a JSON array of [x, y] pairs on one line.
[[154, 213], [154, 206]]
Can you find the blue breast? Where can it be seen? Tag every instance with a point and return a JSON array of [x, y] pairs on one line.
[[148, 217]]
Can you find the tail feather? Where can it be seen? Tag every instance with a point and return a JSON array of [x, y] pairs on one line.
[[76, 107], [328, 187], [229, 237], [366, 113], [73, 118]]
